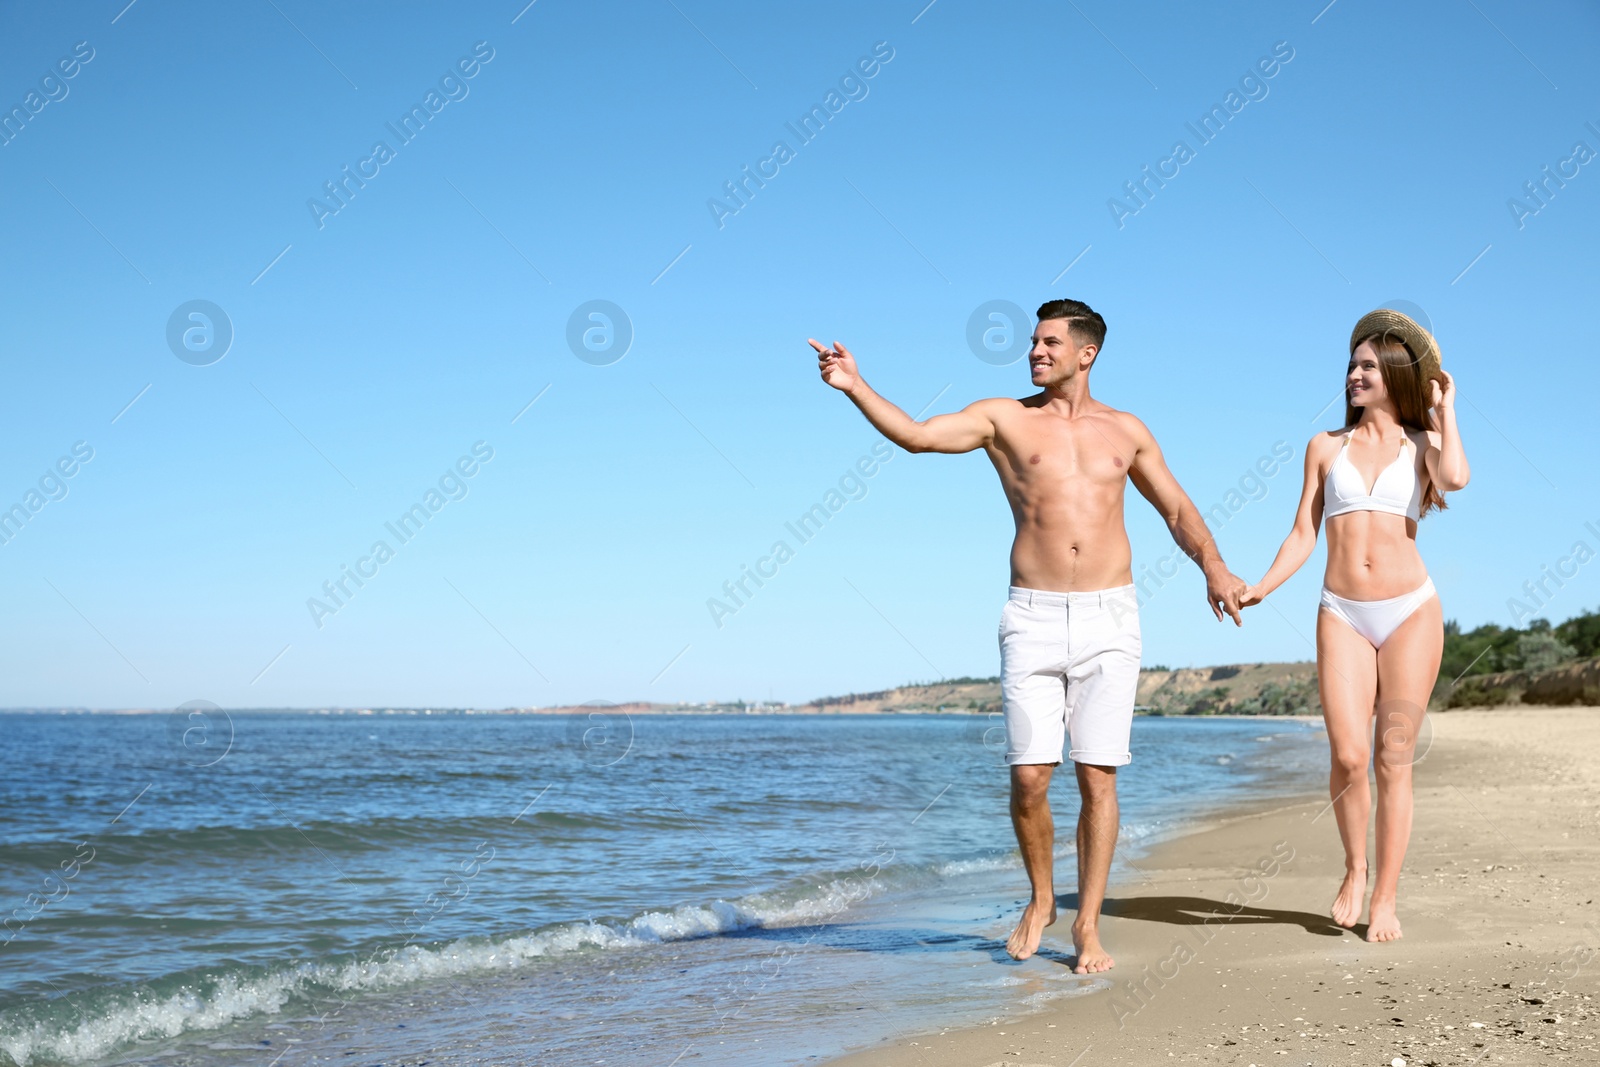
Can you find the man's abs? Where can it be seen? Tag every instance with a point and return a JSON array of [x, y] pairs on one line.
[[1078, 561]]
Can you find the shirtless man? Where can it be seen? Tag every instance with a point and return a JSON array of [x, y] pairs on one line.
[[1069, 633]]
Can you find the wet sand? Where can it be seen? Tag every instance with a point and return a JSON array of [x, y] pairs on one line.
[[1226, 955]]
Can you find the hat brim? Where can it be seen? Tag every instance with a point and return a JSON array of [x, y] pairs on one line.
[[1418, 339]]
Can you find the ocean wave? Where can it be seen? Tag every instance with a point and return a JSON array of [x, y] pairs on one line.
[[90, 1025], [99, 1022], [224, 841]]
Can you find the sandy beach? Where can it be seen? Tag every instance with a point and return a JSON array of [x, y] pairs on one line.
[[1225, 953]]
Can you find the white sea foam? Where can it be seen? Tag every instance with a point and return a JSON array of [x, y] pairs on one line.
[[217, 1000], [1081, 988], [956, 868], [230, 998]]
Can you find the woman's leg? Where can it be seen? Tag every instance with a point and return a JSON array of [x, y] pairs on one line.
[[1347, 679], [1408, 665]]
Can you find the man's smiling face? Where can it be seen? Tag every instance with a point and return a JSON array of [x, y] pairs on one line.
[[1056, 357]]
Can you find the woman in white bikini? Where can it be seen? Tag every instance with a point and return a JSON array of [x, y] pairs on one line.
[[1380, 631]]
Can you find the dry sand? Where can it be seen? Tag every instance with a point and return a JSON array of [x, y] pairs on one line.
[[1225, 954]]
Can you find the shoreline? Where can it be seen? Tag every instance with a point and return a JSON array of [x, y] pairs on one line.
[[1226, 954], [794, 712]]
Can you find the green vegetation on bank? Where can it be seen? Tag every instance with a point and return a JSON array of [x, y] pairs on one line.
[[1292, 697], [1490, 648], [1542, 664]]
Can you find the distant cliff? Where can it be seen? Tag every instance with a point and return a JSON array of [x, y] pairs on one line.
[[1241, 689], [1571, 683]]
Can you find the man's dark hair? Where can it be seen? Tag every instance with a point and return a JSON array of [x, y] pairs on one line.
[[1084, 323]]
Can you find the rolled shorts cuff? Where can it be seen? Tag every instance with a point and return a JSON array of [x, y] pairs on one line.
[[1100, 759], [1033, 759]]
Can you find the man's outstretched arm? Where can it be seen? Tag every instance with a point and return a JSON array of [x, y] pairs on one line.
[[1156, 484], [961, 431]]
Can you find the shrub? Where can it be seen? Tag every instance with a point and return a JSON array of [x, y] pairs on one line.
[[1296, 698], [1542, 650], [1475, 694], [1582, 632]]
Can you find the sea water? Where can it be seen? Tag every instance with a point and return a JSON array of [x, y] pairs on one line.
[[295, 888]]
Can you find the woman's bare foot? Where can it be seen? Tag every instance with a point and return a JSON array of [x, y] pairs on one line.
[[1092, 958], [1346, 910], [1024, 940], [1383, 925]]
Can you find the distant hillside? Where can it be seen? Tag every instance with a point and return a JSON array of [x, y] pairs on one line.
[[1240, 689], [1496, 650], [1571, 683], [975, 695]]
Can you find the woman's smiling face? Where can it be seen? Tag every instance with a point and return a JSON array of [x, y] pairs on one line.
[[1364, 380]]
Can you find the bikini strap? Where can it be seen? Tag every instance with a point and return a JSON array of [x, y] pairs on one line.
[[1412, 444]]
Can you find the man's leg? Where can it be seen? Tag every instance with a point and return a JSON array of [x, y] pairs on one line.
[[1103, 684], [1036, 836], [1097, 840], [1033, 697]]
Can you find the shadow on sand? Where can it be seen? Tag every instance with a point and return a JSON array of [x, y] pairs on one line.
[[1198, 911]]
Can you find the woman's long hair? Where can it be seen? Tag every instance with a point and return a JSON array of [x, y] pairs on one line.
[[1408, 388]]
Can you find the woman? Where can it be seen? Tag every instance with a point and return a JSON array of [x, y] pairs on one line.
[[1380, 631]]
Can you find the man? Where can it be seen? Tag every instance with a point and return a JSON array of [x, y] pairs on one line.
[[1069, 633]]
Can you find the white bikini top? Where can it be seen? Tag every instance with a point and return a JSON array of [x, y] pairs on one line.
[[1397, 491]]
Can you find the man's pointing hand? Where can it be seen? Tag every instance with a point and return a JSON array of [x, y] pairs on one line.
[[837, 365]]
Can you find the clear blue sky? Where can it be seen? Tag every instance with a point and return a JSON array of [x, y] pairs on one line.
[[371, 352]]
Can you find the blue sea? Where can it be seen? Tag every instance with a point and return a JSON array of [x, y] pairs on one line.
[[279, 889]]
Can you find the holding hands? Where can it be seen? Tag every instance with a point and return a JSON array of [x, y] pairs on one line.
[[1225, 592]]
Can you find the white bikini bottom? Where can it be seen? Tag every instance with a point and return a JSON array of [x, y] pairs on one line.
[[1376, 620]]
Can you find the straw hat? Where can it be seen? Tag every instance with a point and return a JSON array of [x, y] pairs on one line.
[[1419, 340]]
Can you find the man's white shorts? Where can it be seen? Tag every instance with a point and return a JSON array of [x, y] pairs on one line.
[[1069, 666]]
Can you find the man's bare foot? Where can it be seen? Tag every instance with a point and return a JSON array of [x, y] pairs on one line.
[[1024, 940], [1346, 910], [1383, 925], [1092, 958]]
